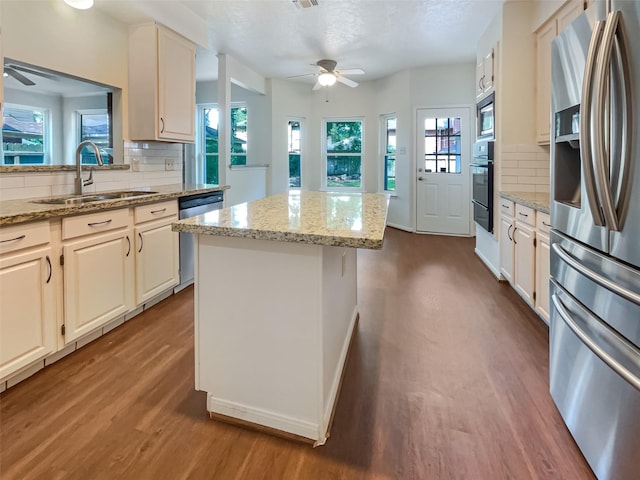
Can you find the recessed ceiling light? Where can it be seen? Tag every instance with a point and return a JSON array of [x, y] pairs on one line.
[[326, 79], [79, 4]]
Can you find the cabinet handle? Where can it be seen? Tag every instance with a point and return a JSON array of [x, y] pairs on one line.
[[514, 236], [162, 210], [508, 232], [505, 206], [523, 214], [50, 268], [93, 224], [162, 127], [14, 239], [129, 243], [141, 242], [546, 224]]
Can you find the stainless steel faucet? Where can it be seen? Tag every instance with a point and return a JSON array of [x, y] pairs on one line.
[[80, 182]]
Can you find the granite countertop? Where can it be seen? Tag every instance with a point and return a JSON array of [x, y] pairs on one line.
[[355, 220], [21, 211], [537, 201]]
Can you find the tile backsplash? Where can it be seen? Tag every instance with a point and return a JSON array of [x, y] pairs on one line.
[[151, 163], [524, 168]]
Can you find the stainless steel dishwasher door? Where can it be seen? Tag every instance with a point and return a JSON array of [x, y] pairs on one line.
[[187, 243]]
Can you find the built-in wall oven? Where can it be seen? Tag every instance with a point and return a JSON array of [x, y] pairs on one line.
[[482, 184]]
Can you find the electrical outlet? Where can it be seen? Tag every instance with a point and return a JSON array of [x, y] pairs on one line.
[[170, 164]]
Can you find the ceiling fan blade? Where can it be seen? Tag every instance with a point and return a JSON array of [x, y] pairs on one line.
[[317, 86], [348, 82], [351, 71], [304, 75], [33, 72], [18, 76]]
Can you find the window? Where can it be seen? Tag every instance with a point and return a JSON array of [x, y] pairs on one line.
[[293, 143], [93, 125], [238, 135], [209, 146], [210, 124], [24, 135], [343, 153], [389, 152], [442, 145]]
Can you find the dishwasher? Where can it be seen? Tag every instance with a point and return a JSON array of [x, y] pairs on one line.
[[190, 206]]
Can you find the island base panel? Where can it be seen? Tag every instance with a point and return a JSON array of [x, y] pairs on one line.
[[273, 326]]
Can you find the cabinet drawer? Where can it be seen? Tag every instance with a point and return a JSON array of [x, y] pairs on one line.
[[144, 213], [94, 223], [525, 215], [543, 222], [24, 236], [506, 207]]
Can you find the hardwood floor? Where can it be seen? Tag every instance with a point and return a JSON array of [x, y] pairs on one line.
[[447, 379]]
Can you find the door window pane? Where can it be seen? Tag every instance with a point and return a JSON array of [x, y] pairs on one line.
[[442, 145]]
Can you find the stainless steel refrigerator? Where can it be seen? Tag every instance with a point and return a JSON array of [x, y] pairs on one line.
[[595, 251]]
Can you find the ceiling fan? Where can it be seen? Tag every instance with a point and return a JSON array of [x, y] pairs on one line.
[[328, 75], [14, 71]]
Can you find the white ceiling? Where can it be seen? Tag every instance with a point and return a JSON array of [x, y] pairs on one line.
[[278, 40]]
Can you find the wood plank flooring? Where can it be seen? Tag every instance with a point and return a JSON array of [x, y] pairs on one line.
[[447, 379]]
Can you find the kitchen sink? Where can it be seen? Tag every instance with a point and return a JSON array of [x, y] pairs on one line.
[[90, 198]]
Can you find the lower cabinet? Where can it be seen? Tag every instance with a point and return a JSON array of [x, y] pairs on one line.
[[157, 254], [27, 308], [525, 253], [98, 271], [543, 265]]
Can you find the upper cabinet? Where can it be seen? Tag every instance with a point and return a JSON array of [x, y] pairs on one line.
[[162, 85], [484, 74], [544, 36]]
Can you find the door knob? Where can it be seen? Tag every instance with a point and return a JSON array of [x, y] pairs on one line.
[[420, 170], [420, 178]]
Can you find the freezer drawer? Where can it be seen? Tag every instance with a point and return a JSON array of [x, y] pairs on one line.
[[595, 383]]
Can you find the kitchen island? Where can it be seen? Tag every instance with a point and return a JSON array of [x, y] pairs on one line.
[[276, 305]]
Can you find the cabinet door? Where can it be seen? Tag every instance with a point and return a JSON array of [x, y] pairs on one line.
[[544, 37], [479, 79], [524, 261], [176, 87], [27, 310], [487, 68], [98, 281], [156, 260], [542, 275], [506, 247]]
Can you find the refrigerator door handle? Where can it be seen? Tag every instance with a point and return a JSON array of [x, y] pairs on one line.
[[619, 354], [586, 153], [602, 145], [627, 115], [618, 290]]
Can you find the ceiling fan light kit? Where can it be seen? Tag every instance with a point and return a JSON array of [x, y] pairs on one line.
[[326, 79], [80, 4]]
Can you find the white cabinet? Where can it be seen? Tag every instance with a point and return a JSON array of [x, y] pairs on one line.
[[484, 74], [157, 256], [98, 270], [162, 85], [544, 36], [507, 246], [543, 259], [27, 304]]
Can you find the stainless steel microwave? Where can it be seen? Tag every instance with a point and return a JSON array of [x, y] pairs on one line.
[[486, 118]]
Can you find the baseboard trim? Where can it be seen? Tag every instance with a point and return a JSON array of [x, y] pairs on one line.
[[401, 227], [262, 420], [487, 264], [336, 386]]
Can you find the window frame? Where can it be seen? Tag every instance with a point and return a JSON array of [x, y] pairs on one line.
[[324, 154], [79, 138], [235, 105], [383, 151], [301, 122]]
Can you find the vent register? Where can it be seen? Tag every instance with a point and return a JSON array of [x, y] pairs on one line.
[[305, 3]]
